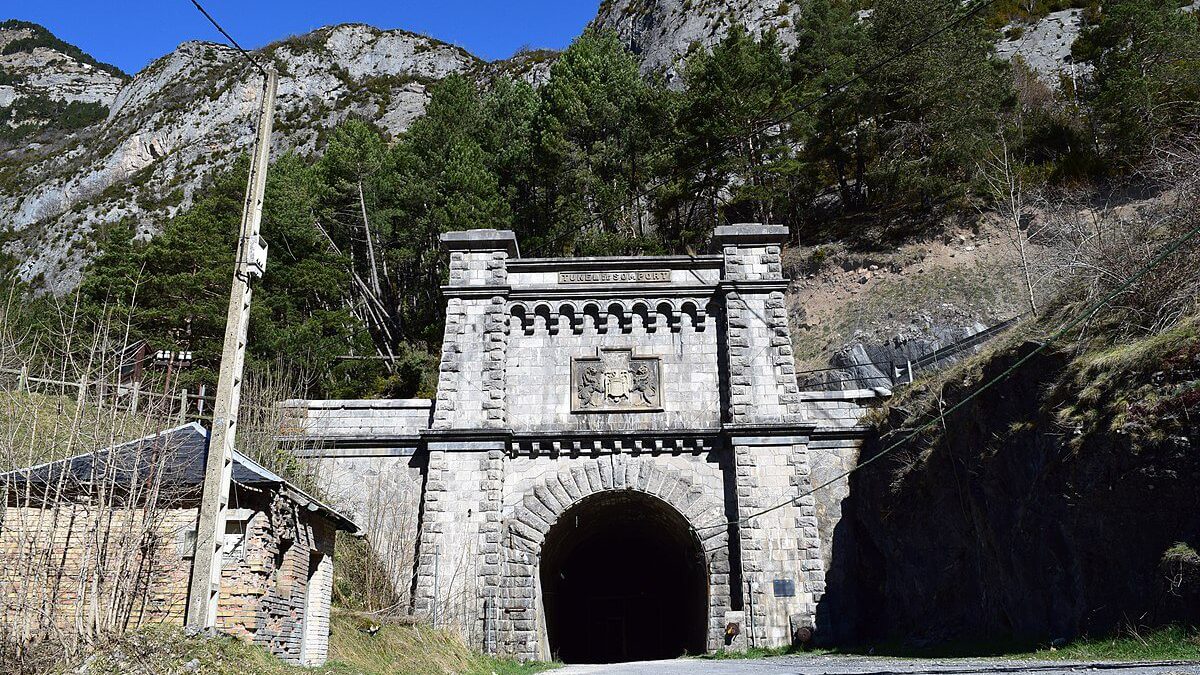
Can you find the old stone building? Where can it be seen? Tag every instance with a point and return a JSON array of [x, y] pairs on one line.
[[106, 540], [616, 462]]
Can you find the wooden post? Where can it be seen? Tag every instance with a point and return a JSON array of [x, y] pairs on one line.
[[137, 393], [214, 503], [23, 379], [183, 406]]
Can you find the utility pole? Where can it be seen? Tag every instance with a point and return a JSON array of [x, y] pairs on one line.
[[251, 262]]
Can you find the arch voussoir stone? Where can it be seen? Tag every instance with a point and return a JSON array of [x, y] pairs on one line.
[[566, 482], [618, 471], [579, 476], [521, 529], [548, 499], [558, 491], [632, 470], [606, 473], [592, 470], [542, 516]]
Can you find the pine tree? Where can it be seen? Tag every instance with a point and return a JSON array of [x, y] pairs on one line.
[[932, 104], [597, 133], [829, 55], [735, 155], [1146, 85]]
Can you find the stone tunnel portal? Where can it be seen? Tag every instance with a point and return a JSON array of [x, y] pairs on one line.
[[623, 579]]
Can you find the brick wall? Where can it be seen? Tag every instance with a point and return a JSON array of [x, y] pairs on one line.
[[79, 568]]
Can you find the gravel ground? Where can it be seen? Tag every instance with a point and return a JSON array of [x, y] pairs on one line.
[[861, 665]]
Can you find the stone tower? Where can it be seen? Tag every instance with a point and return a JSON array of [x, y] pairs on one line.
[[587, 405]]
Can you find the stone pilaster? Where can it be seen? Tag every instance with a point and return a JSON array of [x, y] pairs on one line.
[[471, 381], [782, 570], [459, 561]]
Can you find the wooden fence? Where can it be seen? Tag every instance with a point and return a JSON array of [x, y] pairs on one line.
[[184, 405]]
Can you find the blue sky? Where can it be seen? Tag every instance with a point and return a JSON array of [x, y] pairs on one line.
[[131, 33]]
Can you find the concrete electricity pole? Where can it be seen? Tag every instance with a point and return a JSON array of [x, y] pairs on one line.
[[251, 262]]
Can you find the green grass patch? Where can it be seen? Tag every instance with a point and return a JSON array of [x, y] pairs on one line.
[[400, 649], [1173, 643], [1141, 354]]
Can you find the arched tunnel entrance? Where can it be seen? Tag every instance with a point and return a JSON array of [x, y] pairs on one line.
[[623, 579]]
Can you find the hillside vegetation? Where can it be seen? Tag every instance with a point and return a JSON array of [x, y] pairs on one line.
[[603, 161], [1055, 473]]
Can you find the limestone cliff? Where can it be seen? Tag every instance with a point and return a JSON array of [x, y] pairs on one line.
[[189, 114], [662, 32], [34, 63]]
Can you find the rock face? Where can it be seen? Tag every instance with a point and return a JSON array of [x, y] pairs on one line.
[[34, 63], [1006, 524], [191, 113], [662, 32], [1045, 46]]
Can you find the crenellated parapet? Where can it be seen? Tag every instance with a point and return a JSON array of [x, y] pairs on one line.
[[625, 315]]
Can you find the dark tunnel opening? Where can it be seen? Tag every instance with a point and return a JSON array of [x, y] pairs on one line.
[[623, 579]]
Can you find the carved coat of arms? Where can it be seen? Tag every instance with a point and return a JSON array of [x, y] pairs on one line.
[[615, 380]]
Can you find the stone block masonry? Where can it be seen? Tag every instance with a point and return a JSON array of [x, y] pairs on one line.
[[93, 556], [276, 586], [581, 398]]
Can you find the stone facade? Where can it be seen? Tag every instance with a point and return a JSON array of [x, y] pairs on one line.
[[77, 558], [48, 556], [565, 380]]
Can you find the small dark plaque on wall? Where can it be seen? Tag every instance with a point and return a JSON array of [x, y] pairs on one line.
[[785, 588]]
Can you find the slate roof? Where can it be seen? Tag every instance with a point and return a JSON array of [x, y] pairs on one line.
[[175, 456]]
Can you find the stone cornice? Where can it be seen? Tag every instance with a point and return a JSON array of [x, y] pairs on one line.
[[768, 428], [754, 286], [481, 240], [749, 234], [599, 292], [475, 291]]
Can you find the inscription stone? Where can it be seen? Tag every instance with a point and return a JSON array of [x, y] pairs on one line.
[[630, 277]]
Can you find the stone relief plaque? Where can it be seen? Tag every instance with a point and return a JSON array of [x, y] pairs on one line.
[[627, 277], [616, 381]]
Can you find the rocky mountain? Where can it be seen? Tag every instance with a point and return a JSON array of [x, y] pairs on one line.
[[83, 146], [663, 32], [182, 118], [35, 64]]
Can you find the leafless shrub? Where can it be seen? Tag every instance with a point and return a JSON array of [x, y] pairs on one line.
[[88, 545], [1090, 248], [79, 545], [261, 417]]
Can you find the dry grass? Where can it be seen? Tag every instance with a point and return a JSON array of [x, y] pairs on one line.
[[359, 645]]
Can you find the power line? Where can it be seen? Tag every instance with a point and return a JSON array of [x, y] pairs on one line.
[[230, 38], [1063, 330]]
